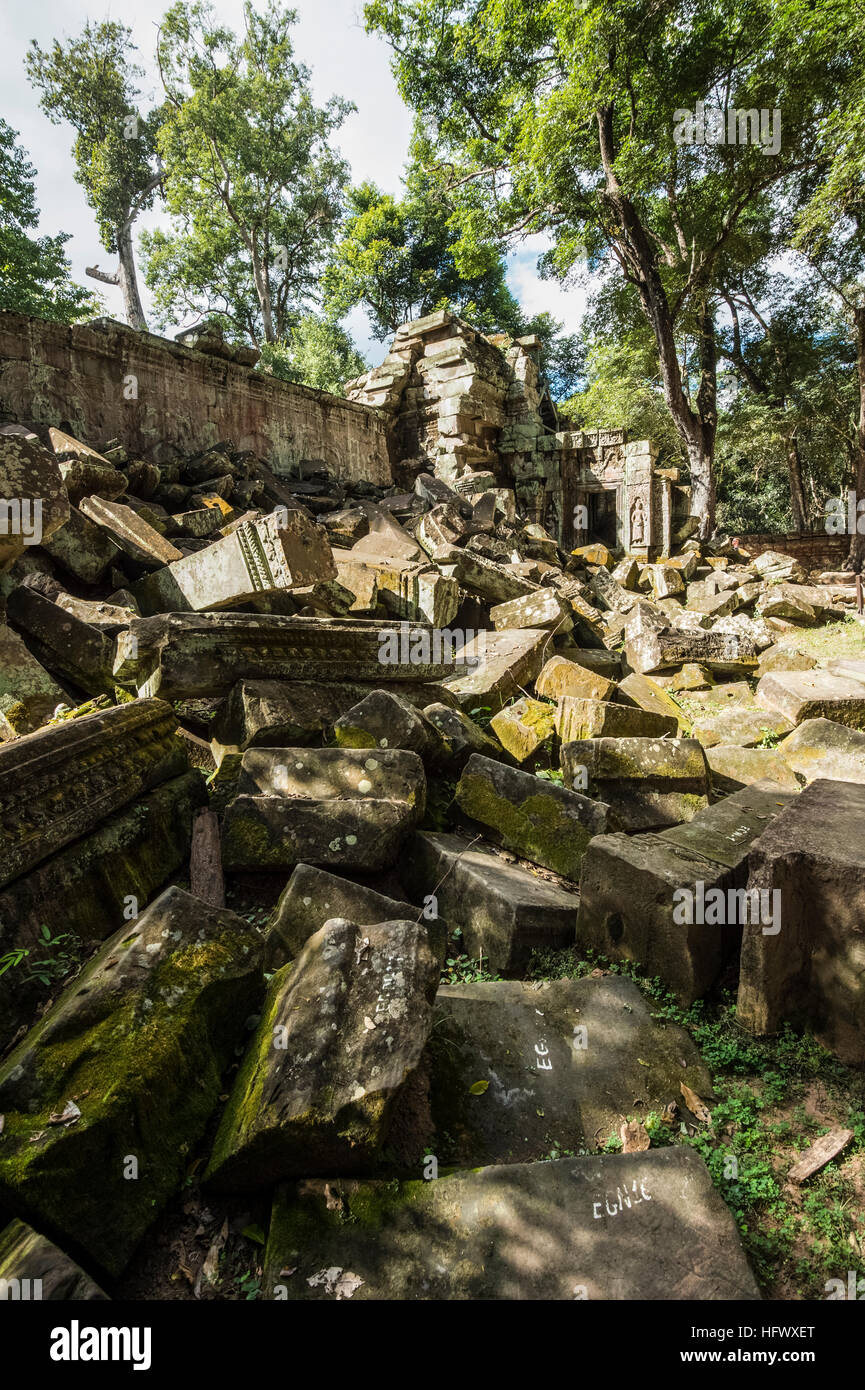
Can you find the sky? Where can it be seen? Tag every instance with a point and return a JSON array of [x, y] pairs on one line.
[[345, 60]]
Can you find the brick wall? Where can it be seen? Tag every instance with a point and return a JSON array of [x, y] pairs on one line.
[[79, 378], [815, 550]]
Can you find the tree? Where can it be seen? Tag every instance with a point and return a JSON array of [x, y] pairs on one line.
[[34, 271], [251, 180], [571, 120], [90, 82], [320, 353], [786, 348], [830, 227], [395, 258]]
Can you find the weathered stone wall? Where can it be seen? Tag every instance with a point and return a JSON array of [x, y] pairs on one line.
[[80, 379], [816, 551]]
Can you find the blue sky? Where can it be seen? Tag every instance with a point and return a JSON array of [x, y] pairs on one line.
[[344, 59]]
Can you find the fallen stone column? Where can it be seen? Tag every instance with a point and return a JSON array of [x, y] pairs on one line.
[[59, 783], [180, 656]]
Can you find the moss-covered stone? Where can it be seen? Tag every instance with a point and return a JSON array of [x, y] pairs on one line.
[[543, 822], [606, 1227], [137, 1046], [342, 1029]]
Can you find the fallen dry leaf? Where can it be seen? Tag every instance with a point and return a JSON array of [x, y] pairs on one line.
[[698, 1108], [67, 1116], [634, 1137]]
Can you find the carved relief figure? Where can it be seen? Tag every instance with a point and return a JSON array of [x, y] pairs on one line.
[[638, 522]]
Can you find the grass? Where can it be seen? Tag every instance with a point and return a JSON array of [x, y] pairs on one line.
[[773, 1098]]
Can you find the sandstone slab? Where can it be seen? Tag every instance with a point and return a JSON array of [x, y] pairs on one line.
[[504, 912], [612, 1227], [343, 1027], [544, 823]]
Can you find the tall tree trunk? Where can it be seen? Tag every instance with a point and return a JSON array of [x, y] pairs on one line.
[[856, 557], [798, 503], [127, 279], [639, 257]]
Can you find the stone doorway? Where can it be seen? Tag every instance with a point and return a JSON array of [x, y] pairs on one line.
[[603, 514]]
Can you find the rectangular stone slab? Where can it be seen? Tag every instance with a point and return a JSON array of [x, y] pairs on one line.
[[282, 551], [59, 783], [82, 548], [130, 532], [544, 823], [181, 656], [323, 774], [505, 912], [485, 578], [33, 500], [811, 973], [801, 695], [721, 652], [578, 718], [312, 896], [564, 1061], [628, 886], [648, 783], [86, 887], [824, 748], [507, 661], [28, 694], [542, 609], [279, 832], [76, 651], [33, 1262], [612, 1227], [281, 714]]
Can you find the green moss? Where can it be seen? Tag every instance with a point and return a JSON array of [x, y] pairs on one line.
[[539, 825], [143, 1062]]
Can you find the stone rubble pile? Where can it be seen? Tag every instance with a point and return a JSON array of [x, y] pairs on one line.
[[414, 716]]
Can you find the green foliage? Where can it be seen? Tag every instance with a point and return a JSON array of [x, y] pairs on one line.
[[395, 259], [12, 958], [462, 970], [91, 83], [252, 182], [319, 353], [34, 271]]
